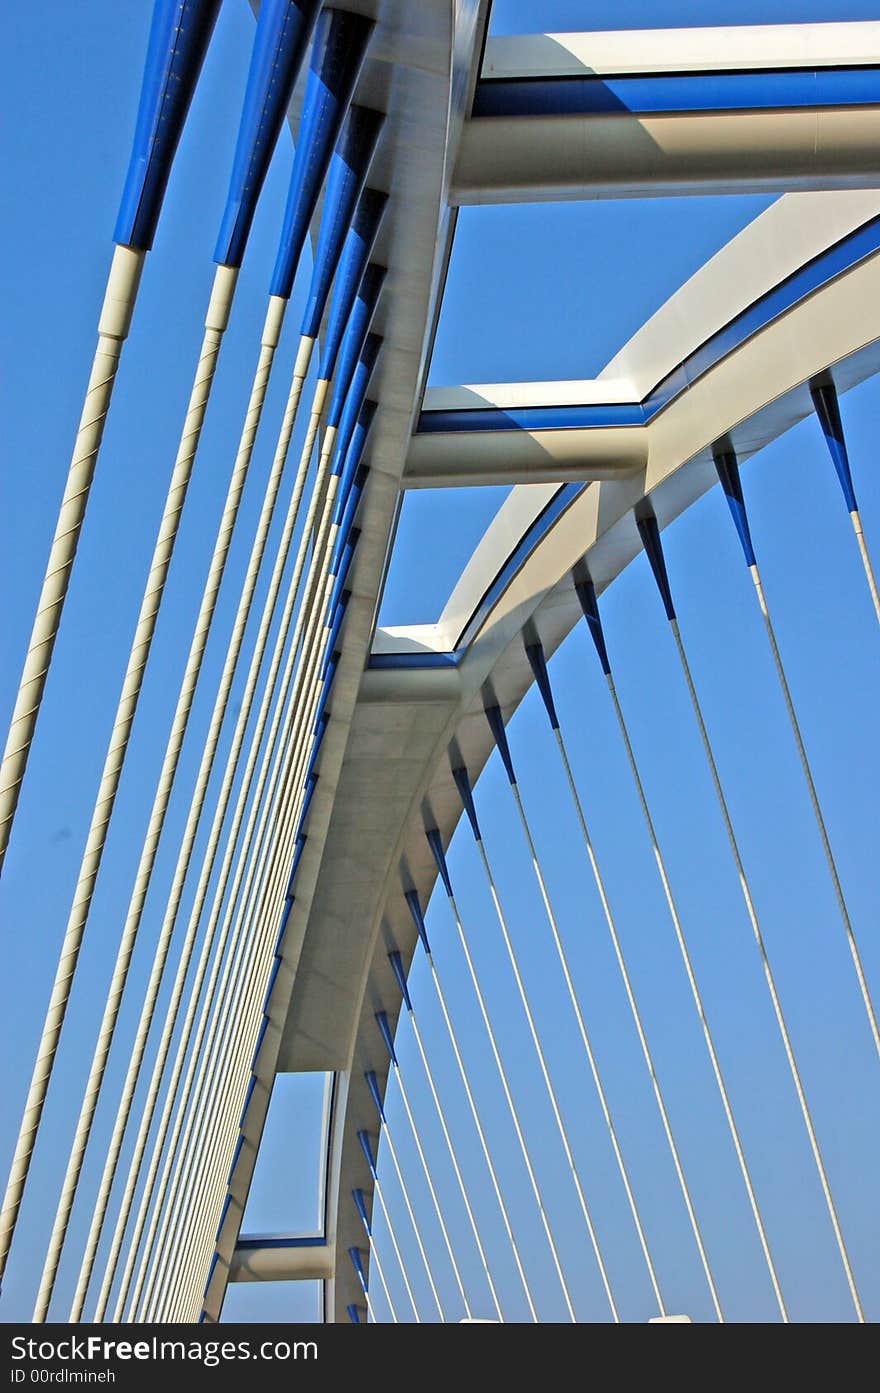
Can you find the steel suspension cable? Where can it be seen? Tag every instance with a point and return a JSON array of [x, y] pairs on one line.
[[361, 1206], [827, 409], [203, 884], [364, 1140], [122, 724], [437, 849], [372, 1084], [497, 725], [463, 784], [196, 1074], [178, 42], [728, 473], [400, 975], [418, 917]]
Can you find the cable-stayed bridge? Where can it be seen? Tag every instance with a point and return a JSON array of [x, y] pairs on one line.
[[337, 757]]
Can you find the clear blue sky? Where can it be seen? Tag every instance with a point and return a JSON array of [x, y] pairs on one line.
[[584, 283]]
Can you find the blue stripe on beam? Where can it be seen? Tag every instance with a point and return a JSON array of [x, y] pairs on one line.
[[491, 418], [640, 94], [823, 268]]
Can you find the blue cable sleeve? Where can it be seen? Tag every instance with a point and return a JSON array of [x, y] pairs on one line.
[[360, 1205], [728, 473], [415, 909], [355, 1256], [586, 593], [373, 1086], [827, 409], [353, 338], [356, 249], [465, 793], [496, 725], [538, 664], [354, 400], [337, 55], [284, 28], [385, 1032], [345, 180], [649, 532], [436, 845], [179, 36], [397, 968], [364, 1139]]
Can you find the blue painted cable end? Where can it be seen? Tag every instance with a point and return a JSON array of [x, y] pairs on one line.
[[650, 534], [297, 853], [827, 408], [361, 1207], [353, 1314], [397, 967], [307, 801], [284, 28], [355, 1256], [337, 55], [355, 333], [364, 1139], [179, 36], [354, 402], [385, 1032], [351, 476], [538, 664], [586, 593], [345, 179], [373, 1086], [496, 725], [465, 793], [350, 273], [728, 472], [415, 909], [436, 845]]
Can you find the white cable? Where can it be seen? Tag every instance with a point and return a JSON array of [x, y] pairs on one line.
[[377, 1191], [374, 1259], [113, 326], [189, 1248], [856, 521], [322, 534], [194, 1094], [123, 720], [265, 907], [412, 1218], [771, 985], [311, 656], [201, 894], [314, 645], [673, 914], [295, 701], [155, 824], [817, 811], [160, 804], [585, 1040], [172, 1093], [551, 1094], [697, 1001], [480, 1133], [496, 1055], [281, 874], [458, 1175]]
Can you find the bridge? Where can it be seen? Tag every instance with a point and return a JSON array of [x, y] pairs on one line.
[[314, 835]]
